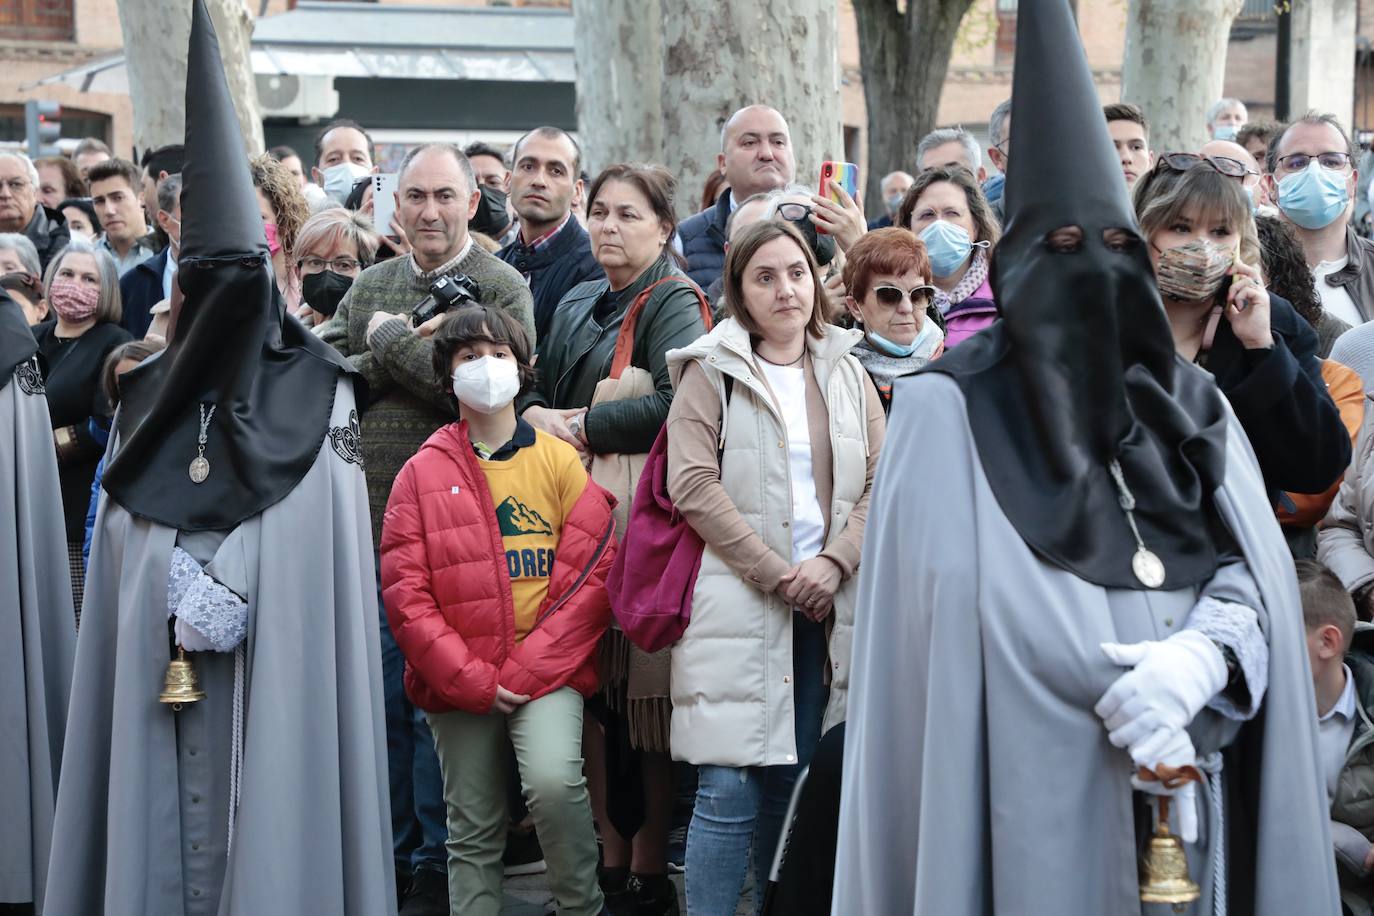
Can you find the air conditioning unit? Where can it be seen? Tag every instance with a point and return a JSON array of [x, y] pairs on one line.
[[284, 95]]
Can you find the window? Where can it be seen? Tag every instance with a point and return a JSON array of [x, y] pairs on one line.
[[1005, 48], [37, 20]]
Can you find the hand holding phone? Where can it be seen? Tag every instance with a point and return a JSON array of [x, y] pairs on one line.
[[383, 201], [845, 174]]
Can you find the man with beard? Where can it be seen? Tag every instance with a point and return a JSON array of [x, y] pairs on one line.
[[552, 251]]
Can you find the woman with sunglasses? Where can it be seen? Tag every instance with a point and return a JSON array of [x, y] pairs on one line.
[[947, 211], [888, 278], [1205, 252]]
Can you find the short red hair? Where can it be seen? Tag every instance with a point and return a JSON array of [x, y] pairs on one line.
[[883, 251]]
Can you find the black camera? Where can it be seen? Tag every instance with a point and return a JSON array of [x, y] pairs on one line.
[[445, 293]]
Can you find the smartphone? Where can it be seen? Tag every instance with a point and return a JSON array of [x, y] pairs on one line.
[[383, 201], [845, 174]]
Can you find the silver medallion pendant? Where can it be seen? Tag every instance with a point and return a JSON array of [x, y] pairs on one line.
[[200, 469], [1147, 568]]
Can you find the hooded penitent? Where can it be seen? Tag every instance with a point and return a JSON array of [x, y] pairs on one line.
[[269, 381], [268, 794], [1081, 369], [37, 625]]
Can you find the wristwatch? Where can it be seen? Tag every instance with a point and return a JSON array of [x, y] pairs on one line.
[[575, 425], [1228, 655]]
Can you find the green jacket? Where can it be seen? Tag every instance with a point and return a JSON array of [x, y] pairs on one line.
[[578, 351], [1354, 801], [407, 402]]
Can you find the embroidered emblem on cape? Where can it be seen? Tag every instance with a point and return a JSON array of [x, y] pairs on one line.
[[517, 518], [29, 378], [347, 441]]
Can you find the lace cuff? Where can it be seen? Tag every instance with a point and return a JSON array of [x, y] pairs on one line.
[[209, 617], [184, 571], [1236, 627]]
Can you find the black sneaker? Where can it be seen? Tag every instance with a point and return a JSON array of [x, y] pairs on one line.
[[427, 894], [523, 855], [653, 895]]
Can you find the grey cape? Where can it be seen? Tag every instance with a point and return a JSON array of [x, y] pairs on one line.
[[143, 809], [37, 634], [977, 778]]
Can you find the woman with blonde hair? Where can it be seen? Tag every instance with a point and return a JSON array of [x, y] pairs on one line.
[[1205, 252], [332, 248]]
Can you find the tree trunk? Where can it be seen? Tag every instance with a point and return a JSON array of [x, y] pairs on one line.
[[1175, 65], [719, 57], [619, 65], [156, 35], [904, 58]]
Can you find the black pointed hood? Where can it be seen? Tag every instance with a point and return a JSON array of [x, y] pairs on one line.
[[269, 381], [1081, 370]]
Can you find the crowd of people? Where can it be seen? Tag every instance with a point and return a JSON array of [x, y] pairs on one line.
[[377, 509]]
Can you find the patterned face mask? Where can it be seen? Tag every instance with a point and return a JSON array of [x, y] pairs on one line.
[[1194, 271]]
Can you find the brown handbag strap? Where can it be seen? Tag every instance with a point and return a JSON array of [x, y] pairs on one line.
[[625, 340]]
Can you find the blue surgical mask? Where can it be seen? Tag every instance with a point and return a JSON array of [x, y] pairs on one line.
[[1315, 197], [900, 351], [1224, 132], [1250, 193], [948, 246], [339, 179]]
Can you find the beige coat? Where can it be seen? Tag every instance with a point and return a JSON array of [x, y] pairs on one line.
[[1346, 541], [732, 670]]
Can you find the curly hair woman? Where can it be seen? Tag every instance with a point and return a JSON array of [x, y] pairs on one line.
[[284, 211]]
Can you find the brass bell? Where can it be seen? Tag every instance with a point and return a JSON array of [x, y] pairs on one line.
[[1164, 868], [180, 684]]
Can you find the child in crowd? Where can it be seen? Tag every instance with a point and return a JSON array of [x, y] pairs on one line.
[[495, 551], [1341, 653]]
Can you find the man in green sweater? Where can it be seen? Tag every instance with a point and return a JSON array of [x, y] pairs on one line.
[[436, 195]]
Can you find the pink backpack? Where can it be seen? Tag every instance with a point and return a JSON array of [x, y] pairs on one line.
[[655, 572]]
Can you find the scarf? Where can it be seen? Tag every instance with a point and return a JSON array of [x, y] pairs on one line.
[[976, 276]]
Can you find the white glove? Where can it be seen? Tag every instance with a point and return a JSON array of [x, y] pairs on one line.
[[1168, 684], [1174, 749]]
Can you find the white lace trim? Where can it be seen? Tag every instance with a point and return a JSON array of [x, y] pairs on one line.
[[209, 617], [1236, 627]]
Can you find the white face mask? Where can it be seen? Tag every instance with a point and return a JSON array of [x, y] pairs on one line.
[[339, 179], [487, 384]]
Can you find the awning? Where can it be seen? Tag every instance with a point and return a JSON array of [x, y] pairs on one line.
[[365, 40]]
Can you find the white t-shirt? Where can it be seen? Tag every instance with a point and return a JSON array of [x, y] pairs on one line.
[[1336, 299], [1333, 734], [808, 519]]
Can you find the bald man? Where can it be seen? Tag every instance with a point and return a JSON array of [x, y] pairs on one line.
[[1253, 186], [755, 156]]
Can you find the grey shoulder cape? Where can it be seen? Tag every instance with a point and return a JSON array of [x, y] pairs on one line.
[[977, 778], [37, 634], [143, 808]]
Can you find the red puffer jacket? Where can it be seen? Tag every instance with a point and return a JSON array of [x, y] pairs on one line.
[[447, 590]]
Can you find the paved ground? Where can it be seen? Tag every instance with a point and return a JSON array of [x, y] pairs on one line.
[[530, 897]]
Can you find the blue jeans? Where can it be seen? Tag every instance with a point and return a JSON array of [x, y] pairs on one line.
[[418, 825], [742, 807]]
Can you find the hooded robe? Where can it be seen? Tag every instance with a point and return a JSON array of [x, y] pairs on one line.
[[977, 778], [143, 812], [37, 626], [239, 445]]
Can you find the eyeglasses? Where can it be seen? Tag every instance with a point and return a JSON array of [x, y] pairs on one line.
[[338, 265], [1231, 168], [1297, 162], [793, 211], [891, 296]]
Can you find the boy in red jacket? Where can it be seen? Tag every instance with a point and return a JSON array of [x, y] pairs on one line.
[[495, 551]]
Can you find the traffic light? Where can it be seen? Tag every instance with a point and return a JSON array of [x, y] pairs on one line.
[[42, 127]]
